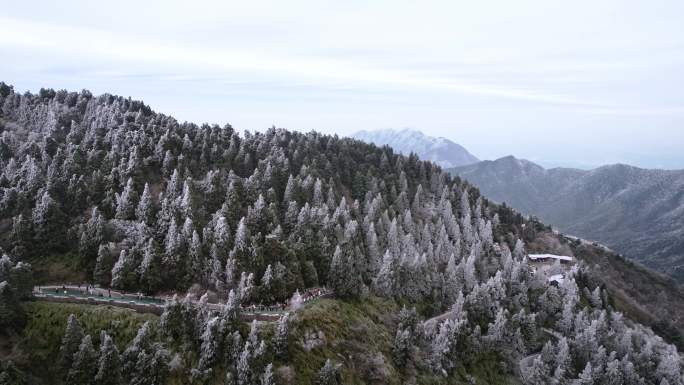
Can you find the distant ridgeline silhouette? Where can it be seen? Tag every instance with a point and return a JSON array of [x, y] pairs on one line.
[[638, 212]]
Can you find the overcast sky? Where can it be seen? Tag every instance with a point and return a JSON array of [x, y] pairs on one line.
[[573, 83]]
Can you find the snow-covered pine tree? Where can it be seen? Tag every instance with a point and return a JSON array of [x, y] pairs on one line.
[[244, 289], [384, 281], [401, 349], [123, 272], [209, 348], [196, 260], [84, 365], [48, 223], [71, 342], [109, 363], [145, 211], [127, 201], [267, 376], [91, 237], [149, 271], [103, 265], [280, 339], [296, 301], [130, 356], [152, 366], [329, 375]]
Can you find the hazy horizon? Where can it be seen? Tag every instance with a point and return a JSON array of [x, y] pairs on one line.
[[578, 84]]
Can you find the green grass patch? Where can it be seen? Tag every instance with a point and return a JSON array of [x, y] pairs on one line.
[[354, 334], [357, 335], [347, 333], [485, 370], [46, 322]]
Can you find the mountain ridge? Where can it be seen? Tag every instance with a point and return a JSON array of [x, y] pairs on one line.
[[636, 211], [281, 213]]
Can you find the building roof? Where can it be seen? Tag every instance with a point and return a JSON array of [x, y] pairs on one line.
[[537, 257], [556, 277]]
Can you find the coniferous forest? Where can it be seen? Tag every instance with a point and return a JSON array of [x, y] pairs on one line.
[[431, 283]]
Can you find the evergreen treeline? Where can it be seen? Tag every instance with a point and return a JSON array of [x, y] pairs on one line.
[[16, 284], [142, 362], [150, 204]]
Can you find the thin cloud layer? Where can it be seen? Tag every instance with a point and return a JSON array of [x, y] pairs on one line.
[[495, 77]]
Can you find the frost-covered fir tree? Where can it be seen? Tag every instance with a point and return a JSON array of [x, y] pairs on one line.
[[92, 236], [48, 223], [231, 309], [267, 376], [440, 346], [187, 204], [347, 267], [130, 356], [329, 375], [11, 313], [401, 349], [384, 281], [71, 342], [280, 339], [209, 348], [127, 201], [196, 259], [172, 247], [149, 273], [144, 212], [244, 289], [84, 365], [296, 301], [222, 235], [152, 366], [244, 369], [103, 265], [267, 278], [109, 363], [123, 272]]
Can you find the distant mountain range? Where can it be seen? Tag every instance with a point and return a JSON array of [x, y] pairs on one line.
[[440, 150], [637, 212]]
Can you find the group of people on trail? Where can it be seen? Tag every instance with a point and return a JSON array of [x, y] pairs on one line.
[[258, 308], [88, 289], [310, 294], [306, 296]]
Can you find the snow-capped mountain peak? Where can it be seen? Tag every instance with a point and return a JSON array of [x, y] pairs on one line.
[[440, 150]]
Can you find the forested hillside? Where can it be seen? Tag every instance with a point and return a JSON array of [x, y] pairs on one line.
[[135, 200], [638, 212]]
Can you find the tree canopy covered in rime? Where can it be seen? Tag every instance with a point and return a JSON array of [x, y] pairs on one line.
[[151, 204]]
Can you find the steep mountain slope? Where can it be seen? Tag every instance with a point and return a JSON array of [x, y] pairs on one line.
[[432, 282], [638, 212], [441, 151]]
